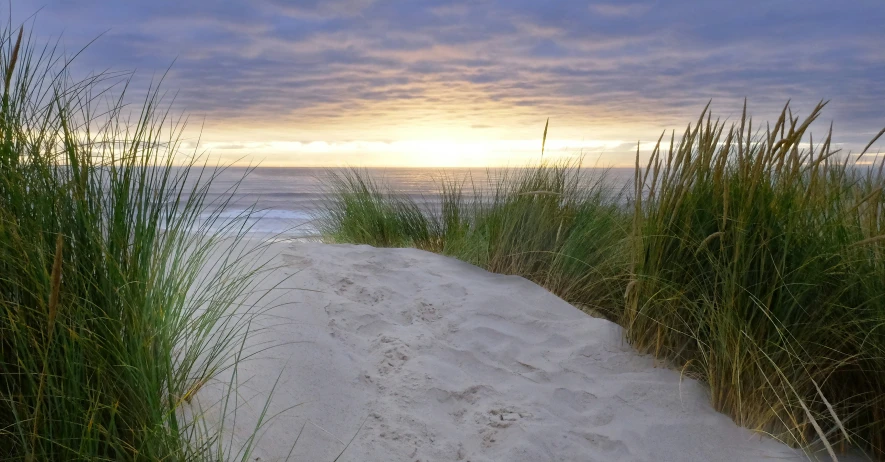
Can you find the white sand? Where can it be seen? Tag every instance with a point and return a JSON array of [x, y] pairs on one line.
[[442, 361]]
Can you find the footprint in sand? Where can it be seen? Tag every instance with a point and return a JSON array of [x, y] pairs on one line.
[[393, 354], [427, 312], [346, 287], [504, 417]]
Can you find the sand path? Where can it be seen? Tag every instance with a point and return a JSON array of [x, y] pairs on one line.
[[425, 358]]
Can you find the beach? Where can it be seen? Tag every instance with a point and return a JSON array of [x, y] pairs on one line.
[[405, 355], [477, 231]]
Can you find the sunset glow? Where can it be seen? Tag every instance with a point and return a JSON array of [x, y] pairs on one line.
[[414, 153], [457, 83]]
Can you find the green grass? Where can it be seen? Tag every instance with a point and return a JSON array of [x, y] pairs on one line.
[[544, 222], [760, 267], [363, 211], [745, 260], [108, 322]]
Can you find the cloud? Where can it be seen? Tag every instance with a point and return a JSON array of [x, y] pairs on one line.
[[371, 70], [615, 9], [319, 9]]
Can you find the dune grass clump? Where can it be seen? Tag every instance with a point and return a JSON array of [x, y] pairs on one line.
[[360, 210], [108, 327], [549, 223], [759, 267]]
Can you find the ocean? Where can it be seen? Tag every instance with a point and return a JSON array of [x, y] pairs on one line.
[[286, 200]]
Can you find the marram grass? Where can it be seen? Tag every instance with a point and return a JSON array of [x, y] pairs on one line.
[[759, 267], [749, 261], [108, 326]]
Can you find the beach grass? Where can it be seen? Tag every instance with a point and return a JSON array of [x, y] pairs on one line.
[[359, 209], [109, 323], [753, 260], [759, 267], [545, 222]]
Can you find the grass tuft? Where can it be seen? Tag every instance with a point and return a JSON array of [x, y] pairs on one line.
[[106, 314], [757, 263]]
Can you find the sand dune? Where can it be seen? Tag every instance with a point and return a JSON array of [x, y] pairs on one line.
[[425, 358]]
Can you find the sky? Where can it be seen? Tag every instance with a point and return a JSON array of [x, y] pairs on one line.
[[472, 83]]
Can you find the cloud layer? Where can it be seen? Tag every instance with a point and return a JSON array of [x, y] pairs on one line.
[[350, 71]]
